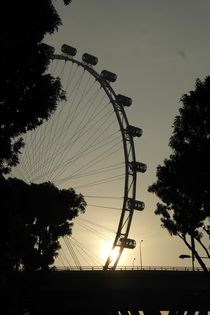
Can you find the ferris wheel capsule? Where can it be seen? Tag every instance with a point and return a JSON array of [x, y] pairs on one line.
[[135, 204], [128, 243], [68, 50], [49, 49], [138, 166], [134, 131], [108, 76], [89, 59], [123, 100]]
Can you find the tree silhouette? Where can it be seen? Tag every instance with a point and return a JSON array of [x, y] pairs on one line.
[[33, 217], [27, 94], [183, 181], [37, 216]]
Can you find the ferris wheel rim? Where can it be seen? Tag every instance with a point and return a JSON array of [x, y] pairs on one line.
[[129, 155]]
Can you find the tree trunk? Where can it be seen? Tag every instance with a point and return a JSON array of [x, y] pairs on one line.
[[199, 259]]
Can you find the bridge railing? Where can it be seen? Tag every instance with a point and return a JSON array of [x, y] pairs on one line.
[[123, 268]]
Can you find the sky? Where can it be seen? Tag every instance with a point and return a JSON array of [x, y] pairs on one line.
[[157, 48]]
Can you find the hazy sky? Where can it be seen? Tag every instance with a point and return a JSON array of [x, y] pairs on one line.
[[157, 48]]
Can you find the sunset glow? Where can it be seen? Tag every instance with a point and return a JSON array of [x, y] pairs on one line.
[[107, 251]]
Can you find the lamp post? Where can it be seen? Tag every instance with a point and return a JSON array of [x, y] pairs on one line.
[[193, 250], [134, 261], [140, 254], [183, 256]]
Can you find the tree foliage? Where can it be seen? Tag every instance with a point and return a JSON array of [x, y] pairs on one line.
[[27, 94], [33, 216], [183, 181], [37, 216]]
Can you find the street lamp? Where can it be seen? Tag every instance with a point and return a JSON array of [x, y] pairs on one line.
[[183, 256], [140, 254], [188, 256], [134, 261]]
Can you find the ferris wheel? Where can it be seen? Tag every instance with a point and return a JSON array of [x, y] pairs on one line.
[[88, 144]]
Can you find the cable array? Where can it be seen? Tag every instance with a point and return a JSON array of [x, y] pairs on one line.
[[80, 146]]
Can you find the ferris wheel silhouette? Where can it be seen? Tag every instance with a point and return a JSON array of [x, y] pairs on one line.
[[88, 144]]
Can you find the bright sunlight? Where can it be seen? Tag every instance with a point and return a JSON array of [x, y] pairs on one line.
[[106, 251]]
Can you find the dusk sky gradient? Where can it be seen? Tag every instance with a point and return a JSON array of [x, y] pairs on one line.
[[158, 48]]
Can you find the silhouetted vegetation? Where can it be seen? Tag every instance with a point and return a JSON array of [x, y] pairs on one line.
[[183, 183], [36, 215], [33, 216], [27, 94]]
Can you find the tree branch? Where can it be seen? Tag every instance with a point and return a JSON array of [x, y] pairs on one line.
[[203, 246], [195, 253]]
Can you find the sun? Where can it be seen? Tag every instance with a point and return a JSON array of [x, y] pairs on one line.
[[106, 251]]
